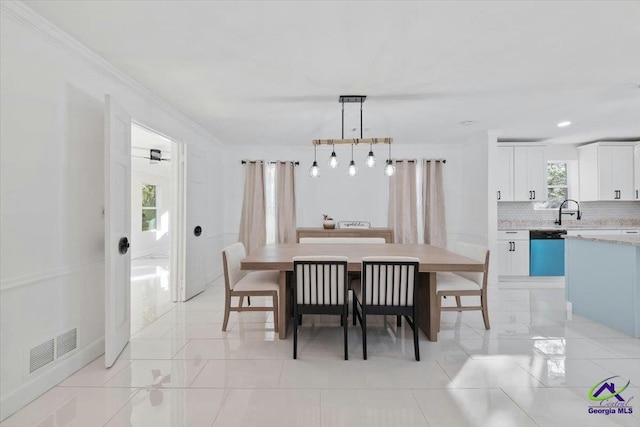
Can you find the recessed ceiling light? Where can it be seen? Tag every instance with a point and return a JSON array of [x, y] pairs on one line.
[[466, 122], [564, 124]]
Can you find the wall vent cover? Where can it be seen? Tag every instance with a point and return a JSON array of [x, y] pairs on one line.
[[66, 342], [41, 355]]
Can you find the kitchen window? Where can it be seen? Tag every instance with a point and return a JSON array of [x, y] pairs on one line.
[[149, 208], [557, 184]]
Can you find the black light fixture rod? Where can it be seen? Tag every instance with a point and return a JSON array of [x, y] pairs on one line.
[[428, 160], [361, 118], [244, 162], [342, 119]]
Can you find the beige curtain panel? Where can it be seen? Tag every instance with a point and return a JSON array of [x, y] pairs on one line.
[[433, 206], [253, 230], [403, 217], [285, 202]]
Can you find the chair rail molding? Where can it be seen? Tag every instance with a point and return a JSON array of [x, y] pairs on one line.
[[31, 279]]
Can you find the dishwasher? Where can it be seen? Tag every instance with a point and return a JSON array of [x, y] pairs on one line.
[[546, 252]]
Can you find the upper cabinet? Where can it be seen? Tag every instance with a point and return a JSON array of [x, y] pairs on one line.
[[505, 174], [522, 173], [636, 172], [607, 171]]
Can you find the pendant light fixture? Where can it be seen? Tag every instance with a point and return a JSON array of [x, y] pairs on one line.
[[371, 158], [314, 172], [333, 159], [389, 169], [353, 169]]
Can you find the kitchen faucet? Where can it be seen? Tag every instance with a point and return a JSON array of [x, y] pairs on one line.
[[560, 213]]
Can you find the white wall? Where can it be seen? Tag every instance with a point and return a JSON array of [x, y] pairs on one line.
[[153, 241], [472, 190], [51, 189]]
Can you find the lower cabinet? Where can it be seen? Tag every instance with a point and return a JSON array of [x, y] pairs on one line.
[[513, 253]]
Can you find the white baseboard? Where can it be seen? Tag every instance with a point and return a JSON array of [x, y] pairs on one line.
[[11, 402]]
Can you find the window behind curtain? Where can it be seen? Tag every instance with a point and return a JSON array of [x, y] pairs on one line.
[[270, 200]]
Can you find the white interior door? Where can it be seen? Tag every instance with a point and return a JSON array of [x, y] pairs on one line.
[[117, 170], [196, 231], [178, 202]]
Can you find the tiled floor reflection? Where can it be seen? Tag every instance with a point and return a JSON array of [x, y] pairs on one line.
[[150, 293], [535, 366]]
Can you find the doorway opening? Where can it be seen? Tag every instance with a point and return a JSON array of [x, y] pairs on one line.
[[155, 210]]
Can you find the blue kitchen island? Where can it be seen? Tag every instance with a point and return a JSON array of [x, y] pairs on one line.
[[602, 276]]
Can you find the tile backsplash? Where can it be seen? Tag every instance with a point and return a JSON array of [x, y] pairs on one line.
[[594, 214]]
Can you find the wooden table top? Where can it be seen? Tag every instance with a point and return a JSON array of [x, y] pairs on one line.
[[280, 256]]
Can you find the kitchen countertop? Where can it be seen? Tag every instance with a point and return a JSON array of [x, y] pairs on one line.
[[633, 240], [566, 227], [569, 224]]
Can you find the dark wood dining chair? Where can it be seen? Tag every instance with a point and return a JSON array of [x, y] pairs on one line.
[[320, 287], [388, 286]]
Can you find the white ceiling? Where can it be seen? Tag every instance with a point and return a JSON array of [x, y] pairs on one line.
[[271, 72]]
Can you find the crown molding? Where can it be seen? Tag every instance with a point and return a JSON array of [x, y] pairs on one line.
[[44, 28]]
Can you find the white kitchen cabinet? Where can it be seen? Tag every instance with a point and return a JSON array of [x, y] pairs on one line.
[[513, 253], [636, 172], [530, 174], [522, 173], [505, 174], [607, 171]]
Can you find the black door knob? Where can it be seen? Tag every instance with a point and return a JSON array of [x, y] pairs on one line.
[[123, 245], [197, 231]]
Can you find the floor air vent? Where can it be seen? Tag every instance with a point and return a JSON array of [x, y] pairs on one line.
[[41, 355], [66, 342]]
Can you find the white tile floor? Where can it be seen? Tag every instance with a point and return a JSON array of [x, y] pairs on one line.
[[534, 367]]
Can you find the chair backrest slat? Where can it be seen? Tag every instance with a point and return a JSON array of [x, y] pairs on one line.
[[389, 281], [320, 280]]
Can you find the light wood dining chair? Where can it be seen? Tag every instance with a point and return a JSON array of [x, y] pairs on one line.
[[320, 287], [388, 287], [465, 283], [241, 283]]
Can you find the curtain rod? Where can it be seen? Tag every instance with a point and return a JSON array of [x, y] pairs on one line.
[[428, 160], [261, 161]]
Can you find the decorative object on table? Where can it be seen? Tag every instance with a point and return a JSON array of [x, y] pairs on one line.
[[354, 224], [370, 160], [328, 223]]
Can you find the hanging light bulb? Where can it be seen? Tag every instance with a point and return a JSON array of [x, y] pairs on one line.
[[371, 159], [353, 169], [389, 169], [333, 160], [314, 172]]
